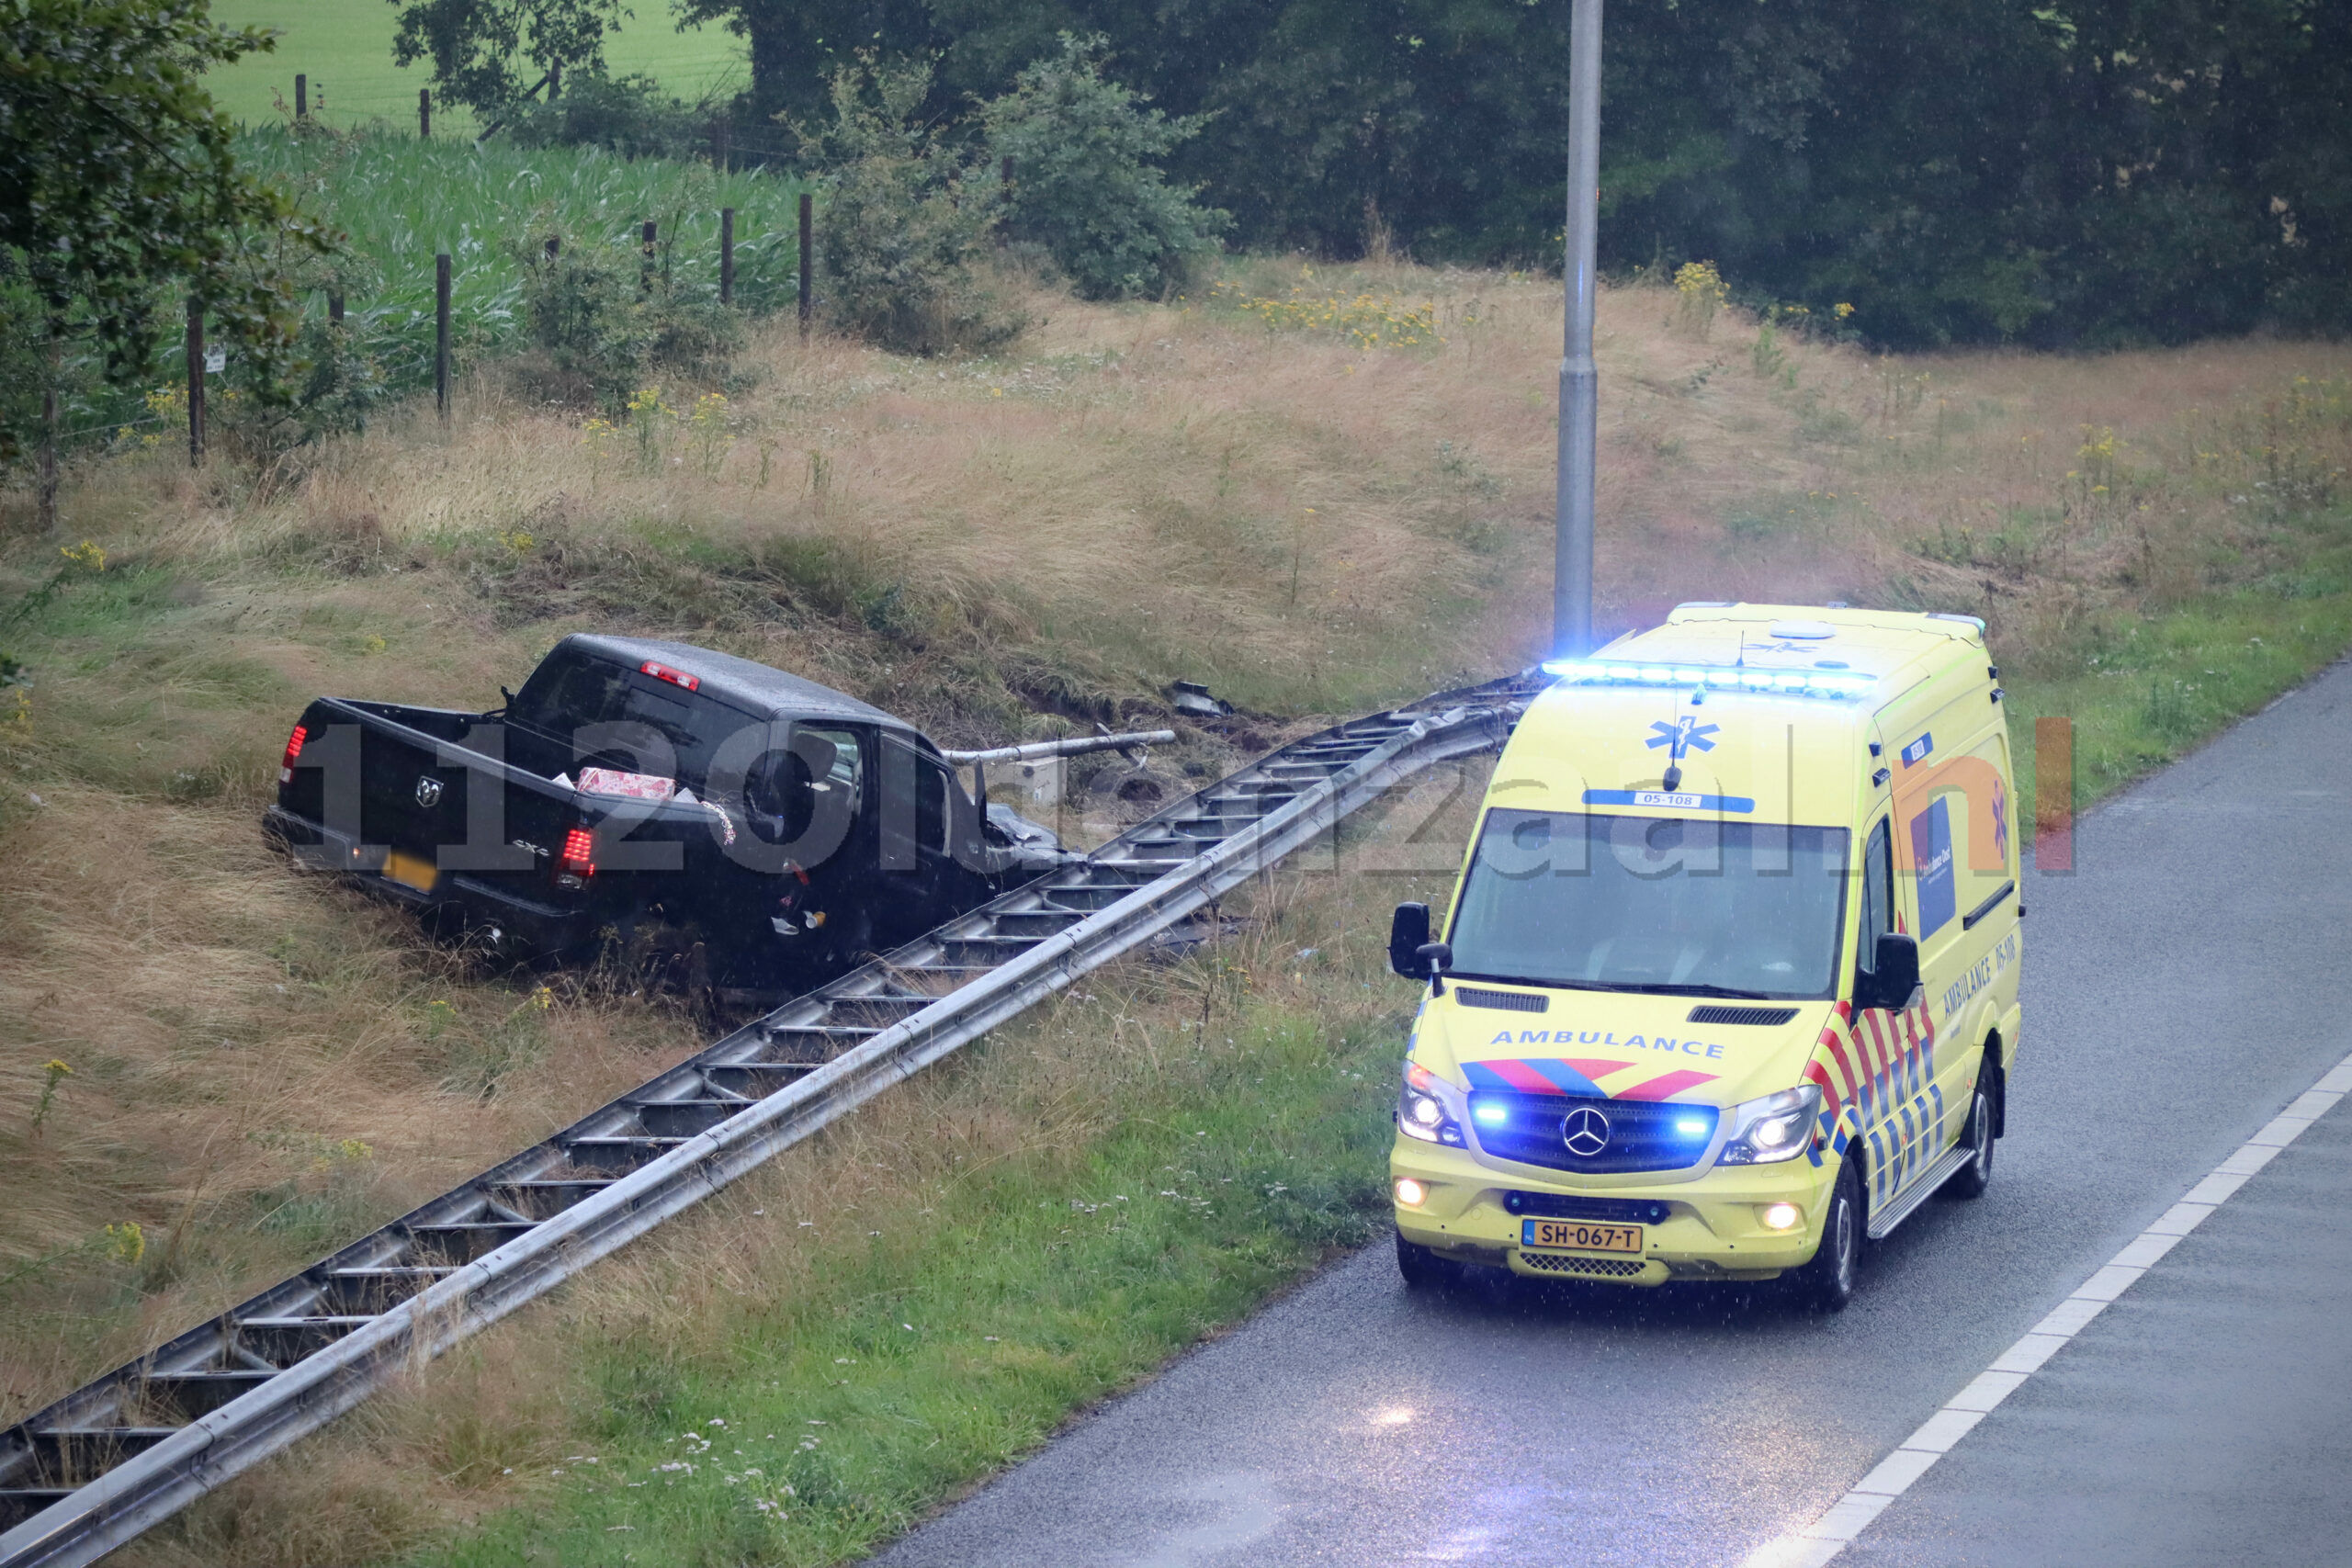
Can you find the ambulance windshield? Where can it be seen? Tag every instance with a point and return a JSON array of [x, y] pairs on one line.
[[1675, 906]]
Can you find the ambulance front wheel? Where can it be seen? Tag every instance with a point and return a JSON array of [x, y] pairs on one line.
[[1424, 1270], [1828, 1282], [1984, 1115]]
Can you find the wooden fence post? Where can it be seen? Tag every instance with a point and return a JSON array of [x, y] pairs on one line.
[[424, 114], [645, 269], [301, 95], [808, 245], [726, 255], [334, 309], [195, 384], [441, 334]]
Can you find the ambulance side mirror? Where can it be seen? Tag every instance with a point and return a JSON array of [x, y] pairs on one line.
[[1895, 976], [1408, 932]]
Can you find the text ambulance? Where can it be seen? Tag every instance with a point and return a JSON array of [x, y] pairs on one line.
[[1730, 979]]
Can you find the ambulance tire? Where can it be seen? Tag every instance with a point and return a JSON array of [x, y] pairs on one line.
[[1984, 1115], [1826, 1283], [1424, 1270]]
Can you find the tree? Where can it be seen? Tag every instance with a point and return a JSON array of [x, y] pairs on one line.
[[2049, 171], [474, 45], [798, 46], [1087, 186], [117, 179], [901, 234]]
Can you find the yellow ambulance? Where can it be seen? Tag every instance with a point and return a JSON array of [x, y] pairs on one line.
[[1729, 982]]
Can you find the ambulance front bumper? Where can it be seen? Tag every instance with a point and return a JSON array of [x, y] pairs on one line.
[[1710, 1228]]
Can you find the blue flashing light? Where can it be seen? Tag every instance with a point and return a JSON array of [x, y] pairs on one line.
[[1490, 1115], [1693, 1126], [1836, 685]]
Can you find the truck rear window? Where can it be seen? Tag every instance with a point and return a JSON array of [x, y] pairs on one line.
[[1677, 905], [630, 720]]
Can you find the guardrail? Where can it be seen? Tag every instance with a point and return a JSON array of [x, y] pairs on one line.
[[96, 1469]]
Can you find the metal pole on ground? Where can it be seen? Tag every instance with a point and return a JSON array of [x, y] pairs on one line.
[[726, 255], [424, 114], [334, 309], [441, 334], [1579, 382], [645, 266], [807, 244], [301, 95], [195, 384]]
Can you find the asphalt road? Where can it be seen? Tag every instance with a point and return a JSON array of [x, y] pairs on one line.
[[2181, 987]]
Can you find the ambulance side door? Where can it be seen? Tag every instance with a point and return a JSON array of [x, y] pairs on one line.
[[1889, 1130]]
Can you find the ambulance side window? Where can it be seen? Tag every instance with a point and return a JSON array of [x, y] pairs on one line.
[[1878, 895]]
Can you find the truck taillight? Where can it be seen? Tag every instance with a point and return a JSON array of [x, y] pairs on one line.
[[675, 677], [579, 853], [293, 749]]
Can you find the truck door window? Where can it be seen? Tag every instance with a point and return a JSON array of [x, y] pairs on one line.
[[785, 789], [918, 814]]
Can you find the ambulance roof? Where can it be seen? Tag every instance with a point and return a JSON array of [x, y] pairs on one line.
[[1785, 698]]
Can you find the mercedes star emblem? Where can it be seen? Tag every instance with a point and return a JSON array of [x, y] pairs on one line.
[[428, 790], [1584, 1131]]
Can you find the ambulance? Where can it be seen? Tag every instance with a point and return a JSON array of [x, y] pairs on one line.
[[1728, 985]]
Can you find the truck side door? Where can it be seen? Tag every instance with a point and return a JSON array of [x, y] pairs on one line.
[[930, 839]]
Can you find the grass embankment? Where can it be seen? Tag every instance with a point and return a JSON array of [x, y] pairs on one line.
[[1254, 498]]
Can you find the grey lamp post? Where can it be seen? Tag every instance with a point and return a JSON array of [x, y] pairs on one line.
[[1572, 569]]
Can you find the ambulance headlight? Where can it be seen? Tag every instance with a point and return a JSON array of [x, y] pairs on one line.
[[1428, 1108], [1777, 1127]]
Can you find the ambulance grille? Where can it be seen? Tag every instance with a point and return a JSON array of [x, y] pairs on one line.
[[1644, 1134], [1761, 1016], [1509, 1001], [1568, 1263]]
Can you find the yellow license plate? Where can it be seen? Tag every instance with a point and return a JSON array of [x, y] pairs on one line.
[[410, 871], [1581, 1236]]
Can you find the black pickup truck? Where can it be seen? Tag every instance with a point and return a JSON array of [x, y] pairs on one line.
[[773, 828]]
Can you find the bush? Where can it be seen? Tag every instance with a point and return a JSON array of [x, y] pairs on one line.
[[605, 320], [329, 389], [899, 240], [627, 115], [1085, 185]]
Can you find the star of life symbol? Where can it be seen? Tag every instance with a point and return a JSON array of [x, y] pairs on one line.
[[1682, 734]]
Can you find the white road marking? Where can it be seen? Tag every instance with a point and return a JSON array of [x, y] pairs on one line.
[[1823, 1538]]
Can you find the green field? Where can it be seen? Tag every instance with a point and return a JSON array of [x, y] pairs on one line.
[[345, 49]]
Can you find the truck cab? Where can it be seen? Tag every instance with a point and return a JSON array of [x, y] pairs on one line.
[[1728, 984]]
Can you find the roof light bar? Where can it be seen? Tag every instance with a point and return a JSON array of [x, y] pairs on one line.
[[1839, 684]]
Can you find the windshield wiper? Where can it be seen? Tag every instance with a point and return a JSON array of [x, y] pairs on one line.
[[1660, 988]]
